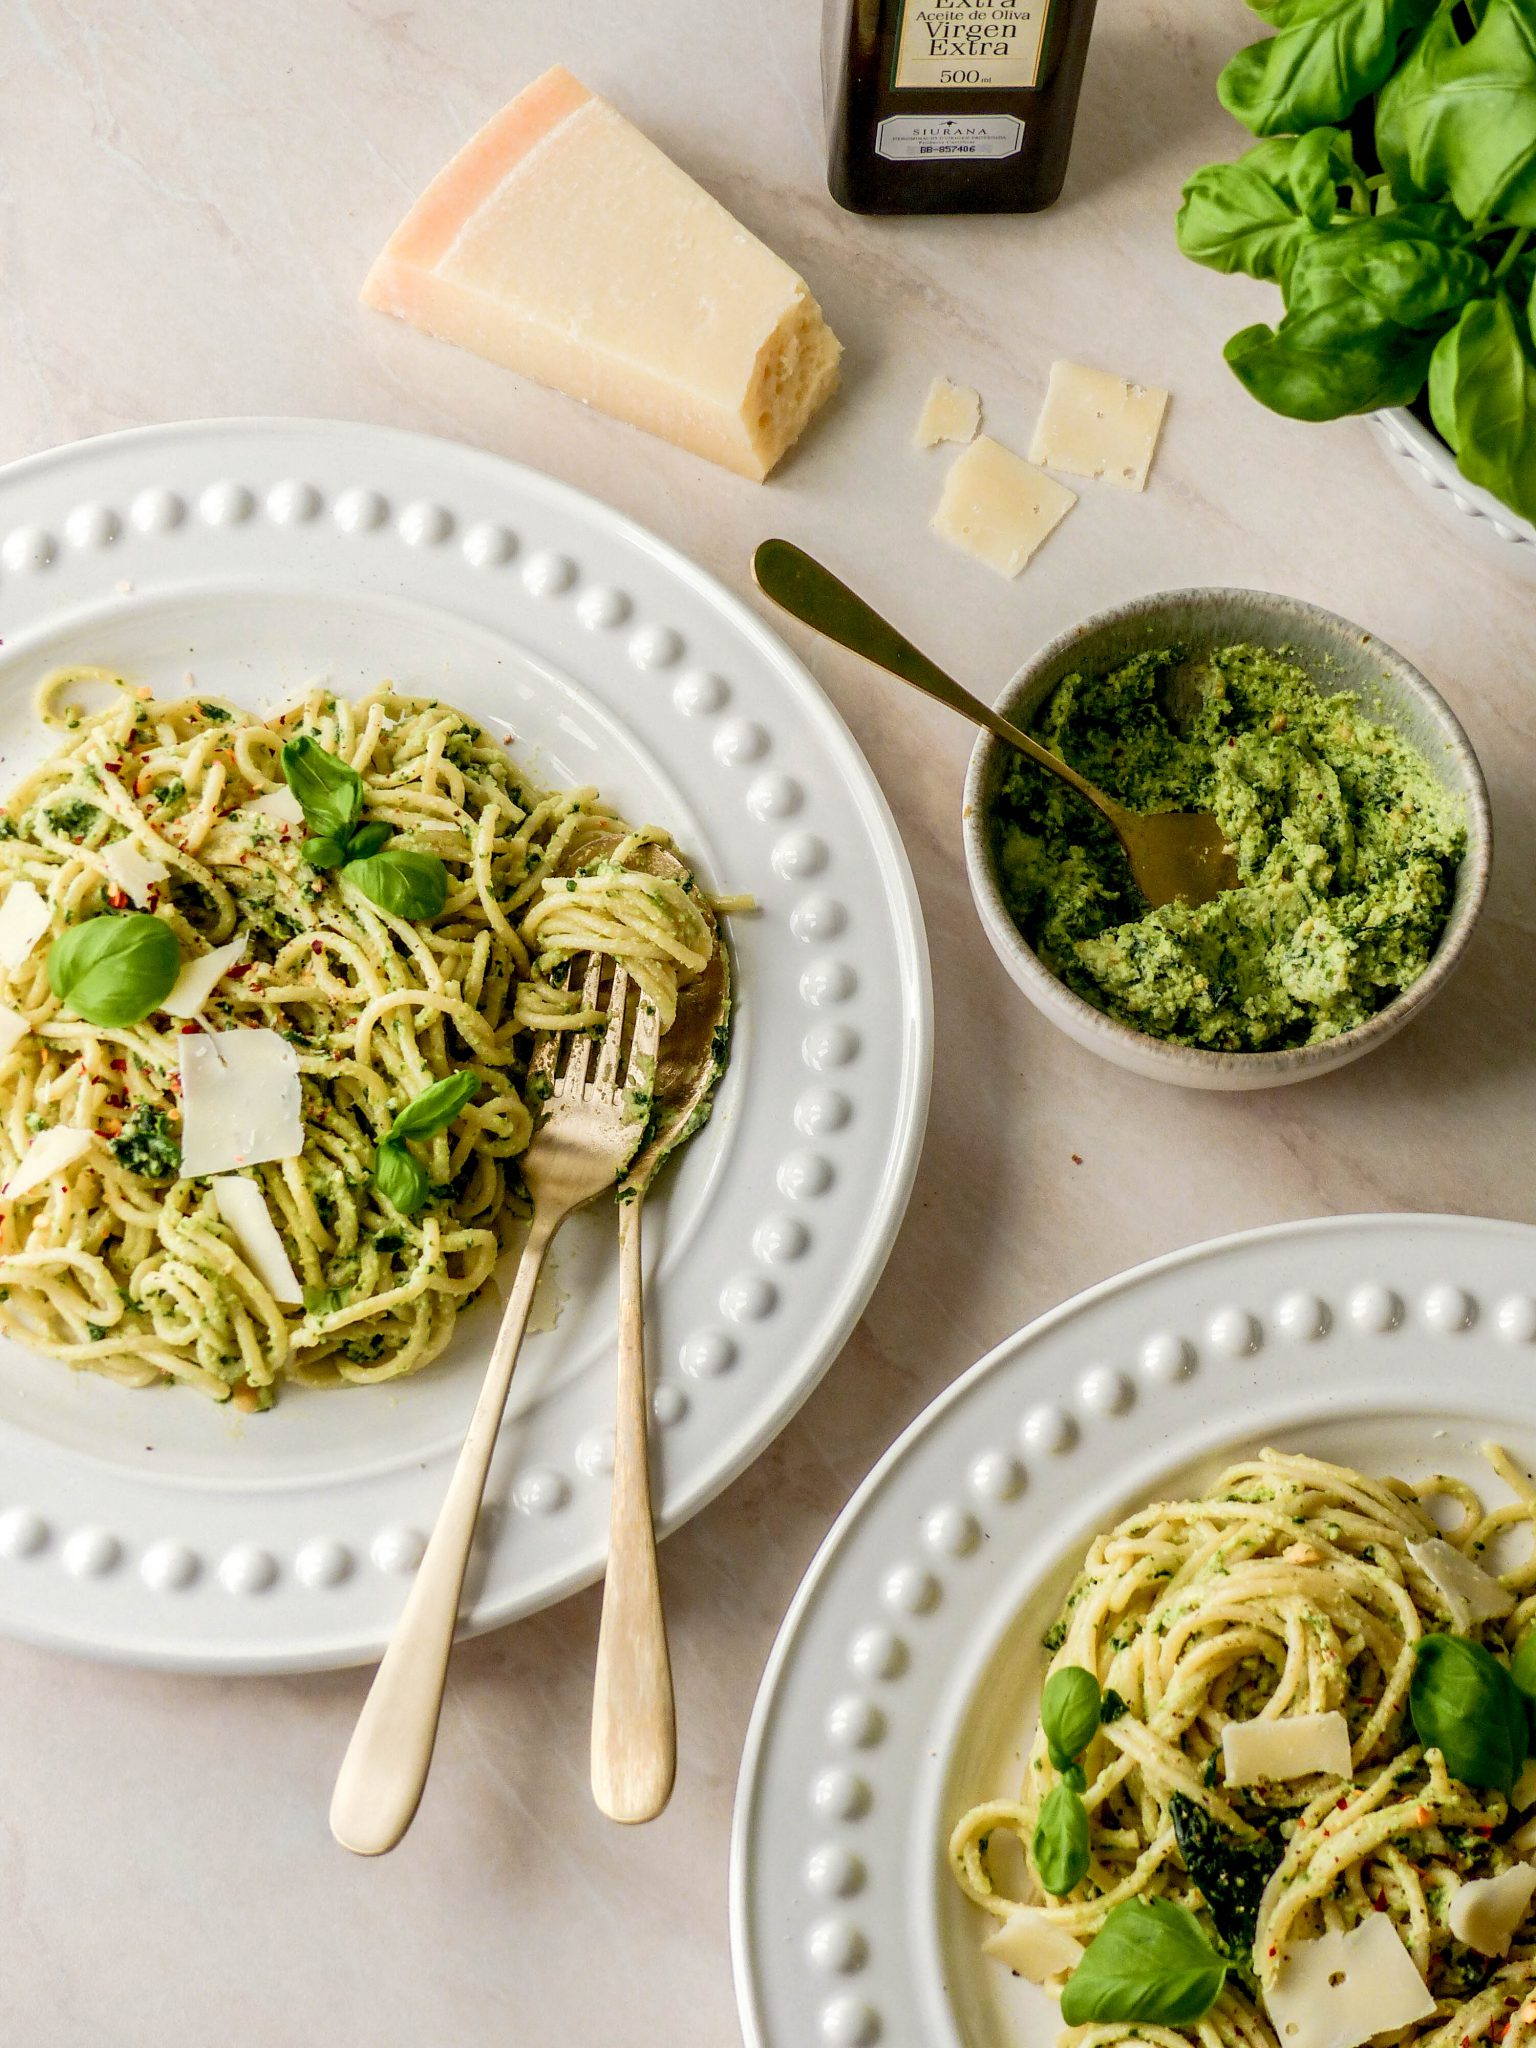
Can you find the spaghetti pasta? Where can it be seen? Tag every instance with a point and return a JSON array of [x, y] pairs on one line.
[[1292, 1588], [118, 1264]]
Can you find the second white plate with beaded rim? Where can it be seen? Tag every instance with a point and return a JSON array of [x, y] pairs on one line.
[[903, 1686], [157, 1527]]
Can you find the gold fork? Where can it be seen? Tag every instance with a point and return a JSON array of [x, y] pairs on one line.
[[589, 1132]]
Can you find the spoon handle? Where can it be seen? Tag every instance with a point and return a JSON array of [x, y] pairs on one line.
[[634, 1727], [813, 595]]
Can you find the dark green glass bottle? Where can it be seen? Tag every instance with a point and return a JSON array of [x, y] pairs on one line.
[[951, 106]]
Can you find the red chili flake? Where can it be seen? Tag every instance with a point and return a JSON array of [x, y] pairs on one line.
[[116, 898], [243, 968], [119, 1066], [316, 946], [1077, 1158], [176, 1084], [1343, 1802], [186, 1028], [1381, 1902]]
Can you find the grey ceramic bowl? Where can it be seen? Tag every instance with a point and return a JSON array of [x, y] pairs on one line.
[[1342, 657]]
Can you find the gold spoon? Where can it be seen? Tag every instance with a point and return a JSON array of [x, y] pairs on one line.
[[1175, 856], [634, 1726]]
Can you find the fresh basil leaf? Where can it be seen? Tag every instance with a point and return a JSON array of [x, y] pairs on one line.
[[1059, 1849], [1459, 117], [369, 839], [399, 1178], [1149, 1961], [1326, 57], [402, 881], [1070, 1707], [1465, 1704], [324, 1301], [1366, 300], [330, 793], [325, 851], [1482, 397], [1522, 1667], [1244, 216], [1322, 161], [435, 1108], [113, 971]]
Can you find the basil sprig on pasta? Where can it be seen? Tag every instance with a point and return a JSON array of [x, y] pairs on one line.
[[399, 879], [1464, 1703], [113, 971], [1149, 1961], [398, 1174], [1071, 1709]]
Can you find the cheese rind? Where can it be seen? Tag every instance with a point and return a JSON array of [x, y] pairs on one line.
[[1094, 424], [1470, 1593], [561, 243], [243, 1209], [1031, 1944], [951, 412], [997, 508], [240, 1101], [1295, 1746], [1339, 1990], [1485, 1913]]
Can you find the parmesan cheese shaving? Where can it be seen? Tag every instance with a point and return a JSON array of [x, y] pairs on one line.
[[243, 1207], [200, 977], [133, 871], [24, 917]]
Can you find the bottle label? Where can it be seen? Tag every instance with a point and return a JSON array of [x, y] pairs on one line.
[[957, 45], [906, 138]]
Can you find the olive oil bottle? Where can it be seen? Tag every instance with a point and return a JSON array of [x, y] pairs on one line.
[[951, 106]]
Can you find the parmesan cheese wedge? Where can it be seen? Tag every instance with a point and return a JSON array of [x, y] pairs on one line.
[[997, 508], [13, 1029], [280, 803], [1029, 1943], [240, 1101], [242, 1206], [200, 977], [50, 1152], [24, 917], [951, 412], [133, 871], [561, 243], [1469, 1592], [1485, 1913], [1339, 1990], [1298, 1746], [1093, 424]]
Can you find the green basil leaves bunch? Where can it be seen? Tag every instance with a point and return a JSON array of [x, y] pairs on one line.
[[398, 879], [113, 970], [398, 1174], [1071, 1709], [1150, 1961], [1466, 1704], [1392, 199]]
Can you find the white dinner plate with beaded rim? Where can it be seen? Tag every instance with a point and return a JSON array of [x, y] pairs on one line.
[[157, 1527], [903, 1684]]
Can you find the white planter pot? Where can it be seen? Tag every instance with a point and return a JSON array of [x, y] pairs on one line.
[[1432, 466]]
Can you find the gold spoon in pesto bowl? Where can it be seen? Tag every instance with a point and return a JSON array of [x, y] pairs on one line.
[[634, 1726], [1174, 856]]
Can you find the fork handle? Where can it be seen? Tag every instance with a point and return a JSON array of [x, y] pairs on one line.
[[634, 1723], [385, 1768]]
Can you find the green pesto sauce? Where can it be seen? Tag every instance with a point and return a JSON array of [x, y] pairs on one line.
[[1347, 847]]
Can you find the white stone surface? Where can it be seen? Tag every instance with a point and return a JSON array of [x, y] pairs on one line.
[[189, 196]]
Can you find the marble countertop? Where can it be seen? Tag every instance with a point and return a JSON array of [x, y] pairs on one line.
[[188, 198]]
